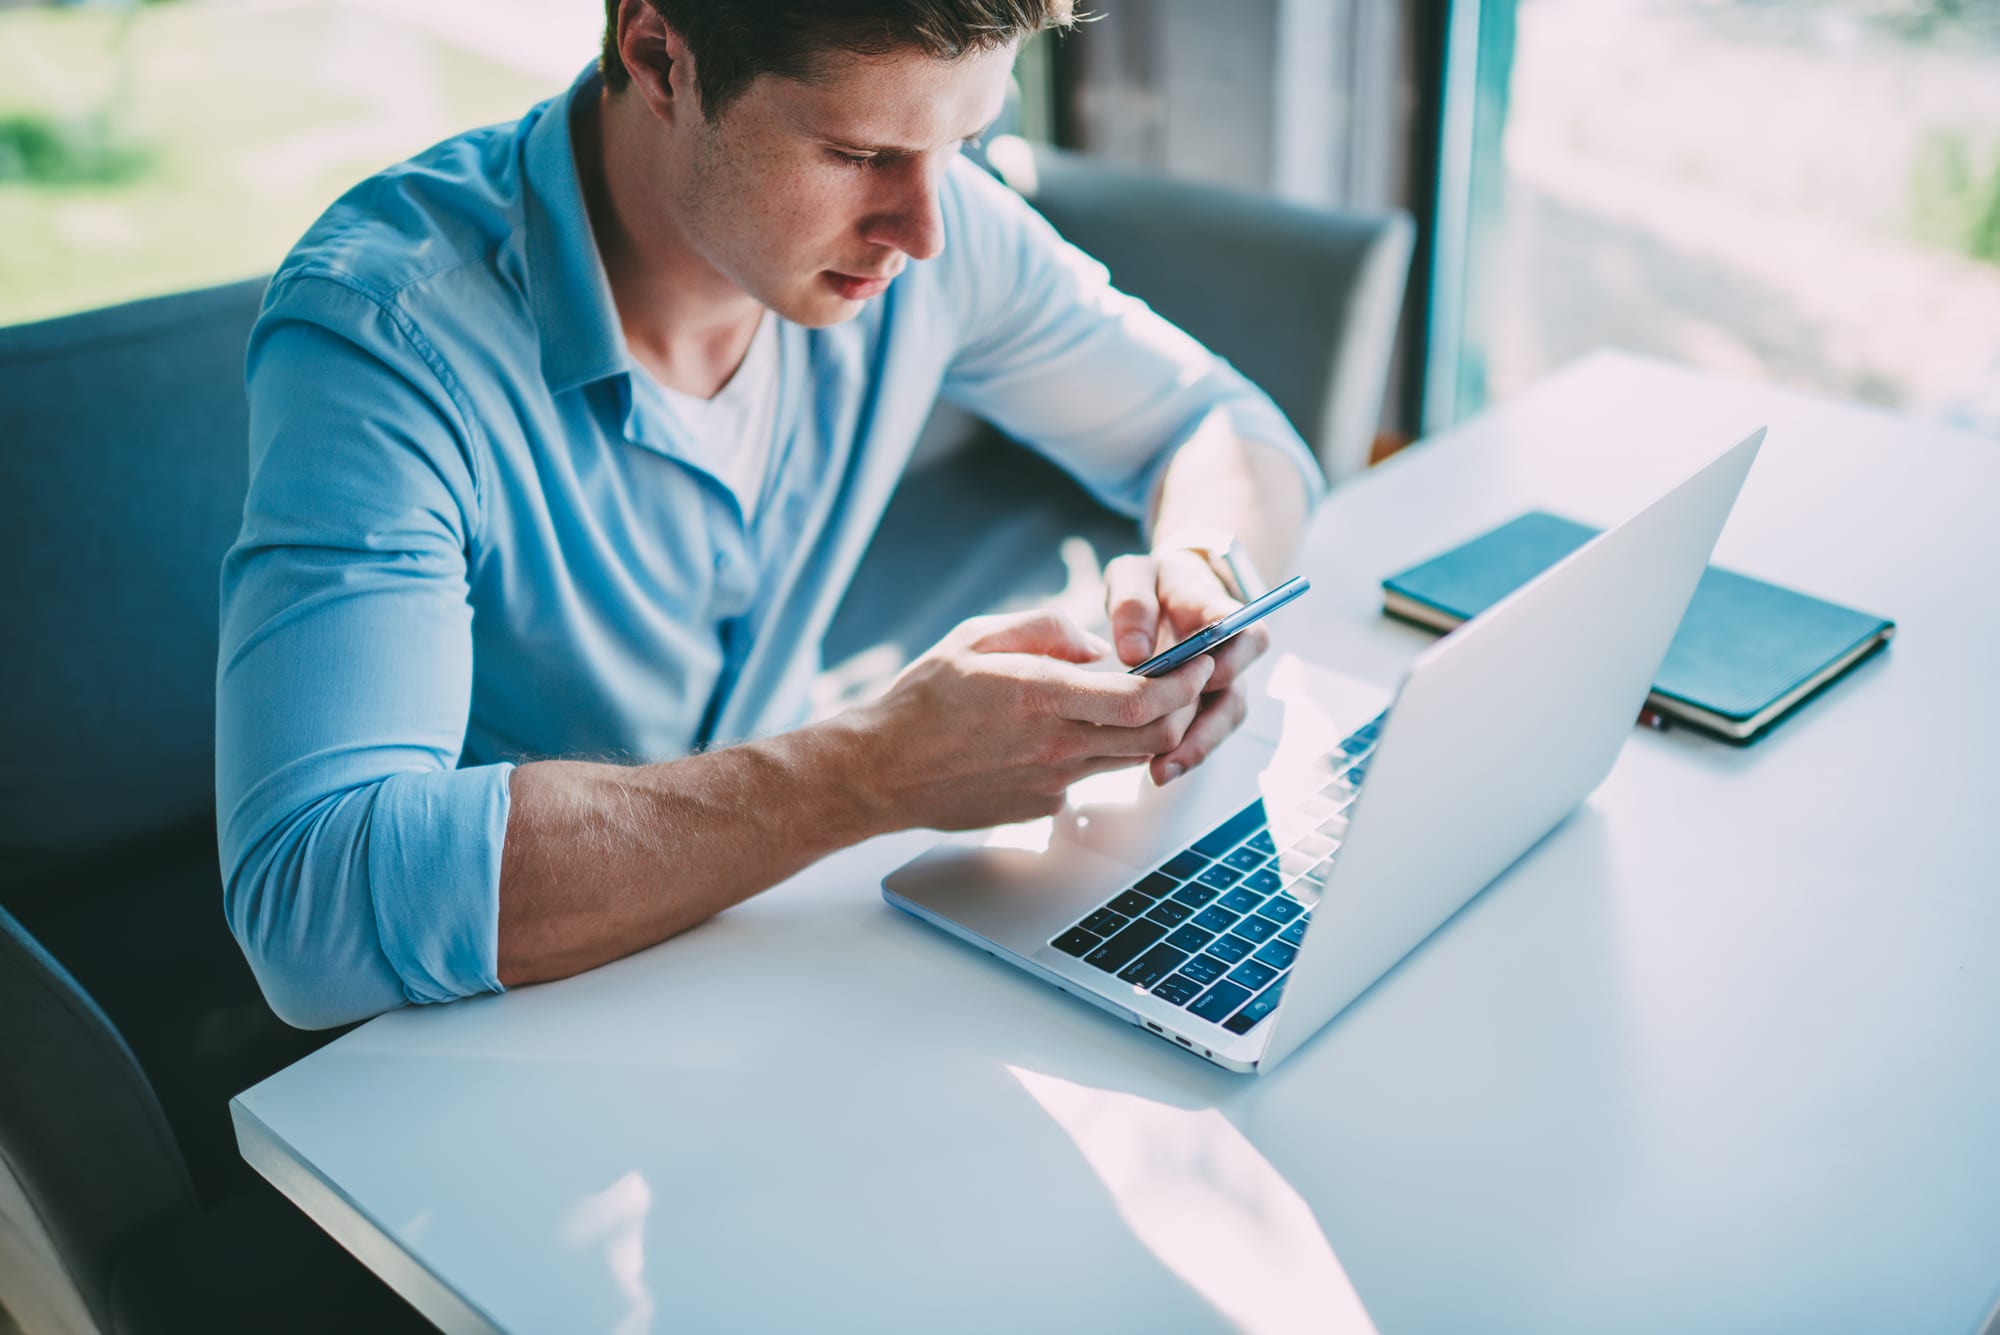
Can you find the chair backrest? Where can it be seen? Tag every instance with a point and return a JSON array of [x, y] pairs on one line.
[[122, 473], [86, 1155], [1303, 301]]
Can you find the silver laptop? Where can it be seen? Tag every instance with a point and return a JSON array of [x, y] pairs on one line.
[[1237, 911]]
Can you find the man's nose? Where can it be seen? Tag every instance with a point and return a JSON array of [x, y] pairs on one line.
[[908, 217]]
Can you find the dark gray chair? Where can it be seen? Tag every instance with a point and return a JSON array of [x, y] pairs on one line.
[[127, 1015], [128, 1018], [101, 1227]]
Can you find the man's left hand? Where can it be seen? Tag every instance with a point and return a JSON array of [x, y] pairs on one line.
[[1158, 600]]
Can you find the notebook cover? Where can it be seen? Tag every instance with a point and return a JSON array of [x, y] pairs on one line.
[[1743, 645]]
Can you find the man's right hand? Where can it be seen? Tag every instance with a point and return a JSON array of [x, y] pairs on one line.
[[995, 723]]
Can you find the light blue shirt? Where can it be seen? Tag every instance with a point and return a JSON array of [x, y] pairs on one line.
[[476, 535]]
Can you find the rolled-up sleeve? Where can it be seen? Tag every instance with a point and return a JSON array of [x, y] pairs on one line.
[[1059, 359], [361, 866]]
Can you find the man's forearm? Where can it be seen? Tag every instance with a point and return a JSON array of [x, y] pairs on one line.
[[1220, 480], [990, 726], [603, 860]]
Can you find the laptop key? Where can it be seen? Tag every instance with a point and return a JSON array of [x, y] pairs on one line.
[[1182, 866], [1204, 969], [1282, 909], [1190, 938], [1220, 875], [1252, 975], [1231, 832], [1155, 886], [1076, 942], [1313, 845], [1257, 929], [1317, 807], [1218, 1001], [1262, 842], [1267, 1001], [1104, 922], [1215, 918], [1131, 904], [1179, 990], [1230, 949], [1296, 933], [1125, 947], [1245, 859], [1194, 894], [1241, 900], [1277, 954], [1292, 863], [1152, 966], [1263, 882], [1170, 913]]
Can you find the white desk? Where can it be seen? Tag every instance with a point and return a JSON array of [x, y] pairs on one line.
[[1722, 1054]]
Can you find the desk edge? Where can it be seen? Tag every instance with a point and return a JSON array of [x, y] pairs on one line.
[[347, 1224]]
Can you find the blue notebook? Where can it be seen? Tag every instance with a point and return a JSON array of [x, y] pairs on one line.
[[1746, 654]]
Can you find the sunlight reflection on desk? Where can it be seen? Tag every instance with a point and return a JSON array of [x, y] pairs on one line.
[[1209, 1206], [615, 1219]]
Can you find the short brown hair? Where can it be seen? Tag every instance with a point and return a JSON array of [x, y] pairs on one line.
[[734, 41]]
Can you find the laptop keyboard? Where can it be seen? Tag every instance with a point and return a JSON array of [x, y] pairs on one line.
[[1214, 929]]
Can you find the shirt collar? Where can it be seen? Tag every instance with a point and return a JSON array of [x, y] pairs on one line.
[[574, 311]]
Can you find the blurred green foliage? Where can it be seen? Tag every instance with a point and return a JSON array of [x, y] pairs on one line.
[[153, 147], [75, 150], [1955, 194]]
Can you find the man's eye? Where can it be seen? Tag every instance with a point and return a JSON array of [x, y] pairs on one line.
[[854, 159]]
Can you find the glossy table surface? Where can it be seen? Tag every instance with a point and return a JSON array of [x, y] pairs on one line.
[[1722, 1053]]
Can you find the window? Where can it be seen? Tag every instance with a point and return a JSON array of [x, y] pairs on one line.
[[1806, 191], [147, 148]]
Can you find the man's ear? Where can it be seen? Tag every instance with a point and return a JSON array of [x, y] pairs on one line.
[[658, 59]]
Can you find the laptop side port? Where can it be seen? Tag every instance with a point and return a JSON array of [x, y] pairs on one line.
[[1155, 1028], [1183, 1042]]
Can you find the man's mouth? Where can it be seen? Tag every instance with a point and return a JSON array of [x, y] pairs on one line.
[[857, 287]]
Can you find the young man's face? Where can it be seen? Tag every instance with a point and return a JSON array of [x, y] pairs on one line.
[[810, 197]]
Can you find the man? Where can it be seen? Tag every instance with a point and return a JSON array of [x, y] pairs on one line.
[[566, 438]]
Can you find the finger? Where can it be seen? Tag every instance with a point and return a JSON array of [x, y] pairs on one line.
[[1160, 737], [1235, 658], [1191, 593], [1131, 596], [1220, 715], [1045, 632], [1121, 700]]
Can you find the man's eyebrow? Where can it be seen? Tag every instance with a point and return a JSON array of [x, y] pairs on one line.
[[893, 150]]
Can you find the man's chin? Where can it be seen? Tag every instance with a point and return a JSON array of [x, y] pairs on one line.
[[818, 309], [823, 313]]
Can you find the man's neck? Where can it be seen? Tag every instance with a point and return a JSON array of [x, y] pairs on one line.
[[686, 324]]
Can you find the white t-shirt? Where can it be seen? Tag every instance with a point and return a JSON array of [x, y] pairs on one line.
[[735, 427]]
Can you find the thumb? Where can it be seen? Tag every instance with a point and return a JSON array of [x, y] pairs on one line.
[[1046, 632]]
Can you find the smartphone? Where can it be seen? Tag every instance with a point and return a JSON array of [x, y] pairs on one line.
[[1216, 633]]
